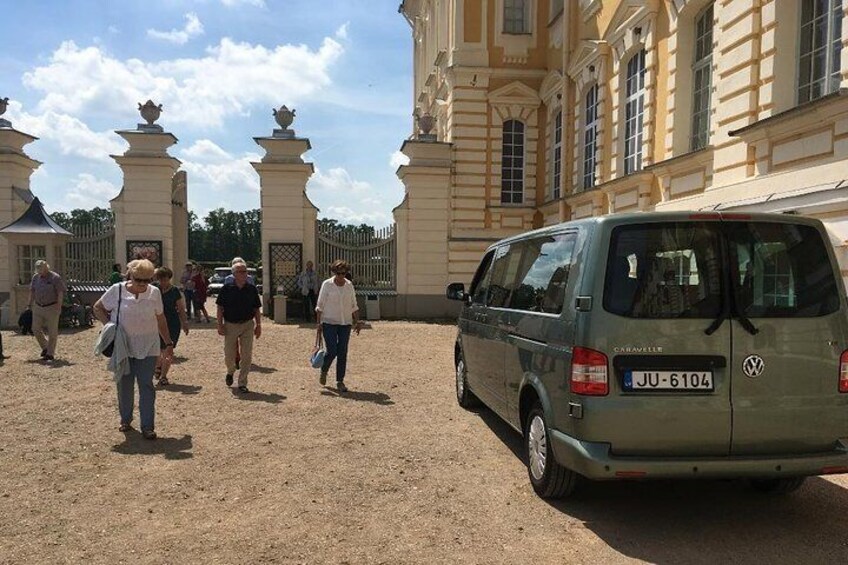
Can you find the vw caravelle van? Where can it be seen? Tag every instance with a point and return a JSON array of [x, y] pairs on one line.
[[663, 345]]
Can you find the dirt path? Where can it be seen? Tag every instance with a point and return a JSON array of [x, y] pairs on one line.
[[393, 473]]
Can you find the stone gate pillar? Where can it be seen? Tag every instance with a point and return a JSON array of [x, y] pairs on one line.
[[151, 203], [16, 168], [423, 225], [288, 217]]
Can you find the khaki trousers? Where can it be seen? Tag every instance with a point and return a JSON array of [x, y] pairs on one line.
[[46, 318], [238, 337]]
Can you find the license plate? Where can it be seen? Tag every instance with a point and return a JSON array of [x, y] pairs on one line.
[[668, 380]]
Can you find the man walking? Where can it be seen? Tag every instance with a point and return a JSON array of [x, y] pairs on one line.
[[309, 286], [188, 287], [46, 292], [239, 321]]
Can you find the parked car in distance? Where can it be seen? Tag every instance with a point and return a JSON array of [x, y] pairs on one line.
[[216, 281], [663, 345]]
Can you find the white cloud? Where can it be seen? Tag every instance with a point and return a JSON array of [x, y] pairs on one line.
[[230, 78], [397, 159], [71, 134], [233, 3], [210, 167], [362, 203], [193, 28], [87, 192], [341, 33]]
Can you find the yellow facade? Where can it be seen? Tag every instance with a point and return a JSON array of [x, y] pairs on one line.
[[724, 112]]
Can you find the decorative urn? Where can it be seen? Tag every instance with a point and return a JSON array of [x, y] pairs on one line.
[[426, 123], [284, 117], [4, 103], [149, 111]]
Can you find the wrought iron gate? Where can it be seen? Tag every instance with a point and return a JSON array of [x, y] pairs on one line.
[[90, 254], [286, 263], [372, 256]]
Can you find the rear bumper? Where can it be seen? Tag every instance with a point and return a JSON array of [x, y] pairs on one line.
[[593, 460]]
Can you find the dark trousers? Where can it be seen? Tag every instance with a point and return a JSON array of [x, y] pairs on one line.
[[309, 302], [189, 301], [1, 348], [336, 339]]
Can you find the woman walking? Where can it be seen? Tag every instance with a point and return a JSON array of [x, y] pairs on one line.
[[136, 306], [175, 314], [336, 314], [200, 288]]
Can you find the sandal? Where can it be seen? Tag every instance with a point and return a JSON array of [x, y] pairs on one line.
[[163, 381], [125, 428]]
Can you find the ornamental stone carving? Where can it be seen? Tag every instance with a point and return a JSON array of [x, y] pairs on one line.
[[150, 112], [284, 116], [4, 103]]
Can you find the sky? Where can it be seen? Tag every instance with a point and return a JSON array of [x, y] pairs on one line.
[[75, 71]]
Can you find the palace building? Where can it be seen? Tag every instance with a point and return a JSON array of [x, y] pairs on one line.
[[553, 110]]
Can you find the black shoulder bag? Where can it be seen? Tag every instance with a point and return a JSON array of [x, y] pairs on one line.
[[110, 349]]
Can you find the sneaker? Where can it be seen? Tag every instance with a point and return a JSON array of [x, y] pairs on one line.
[[148, 434], [243, 389], [49, 358], [340, 386], [43, 353], [228, 379], [323, 378]]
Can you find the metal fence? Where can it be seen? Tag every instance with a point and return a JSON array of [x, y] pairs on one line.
[[90, 254], [372, 256]]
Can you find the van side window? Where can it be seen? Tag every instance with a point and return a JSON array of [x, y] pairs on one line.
[[480, 284], [543, 273], [783, 271], [504, 271]]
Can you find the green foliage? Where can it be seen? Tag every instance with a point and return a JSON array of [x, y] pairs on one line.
[[78, 218], [224, 234]]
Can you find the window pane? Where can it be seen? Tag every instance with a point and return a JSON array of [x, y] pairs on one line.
[[543, 274], [480, 284]]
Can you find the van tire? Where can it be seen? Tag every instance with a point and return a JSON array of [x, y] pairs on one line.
[[777, 486], [464, 397], [548, 477]]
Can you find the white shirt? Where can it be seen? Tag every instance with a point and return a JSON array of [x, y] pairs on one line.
[[337, 303], [138, 318]]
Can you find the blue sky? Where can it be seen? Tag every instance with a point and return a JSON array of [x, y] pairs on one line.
[[75, 70]]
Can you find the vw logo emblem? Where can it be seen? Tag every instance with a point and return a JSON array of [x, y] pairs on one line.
[[753, 366]]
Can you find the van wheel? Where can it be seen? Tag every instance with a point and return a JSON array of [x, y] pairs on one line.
[[464, 396], [777, 486], [549, 478]]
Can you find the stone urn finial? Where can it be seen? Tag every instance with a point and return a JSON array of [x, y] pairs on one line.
[[284, 116], [150, 112], [426, 123], [4, 103]]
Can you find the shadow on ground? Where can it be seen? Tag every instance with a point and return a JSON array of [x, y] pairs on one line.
[[180, 388], [379, 398], [254, 396], [707, 521], [171, 448]]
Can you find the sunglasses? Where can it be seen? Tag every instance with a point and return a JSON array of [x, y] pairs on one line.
[[239, 272], [145, 281]]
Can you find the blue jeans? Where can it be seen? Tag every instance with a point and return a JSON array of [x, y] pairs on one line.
[[189, 301], [336, 339], [141, 370]]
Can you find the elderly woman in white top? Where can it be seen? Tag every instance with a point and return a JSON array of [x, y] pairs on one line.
[[336, 313], [143, 322]]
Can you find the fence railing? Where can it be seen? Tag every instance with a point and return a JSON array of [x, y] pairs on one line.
[[372, 256], [90, 254]]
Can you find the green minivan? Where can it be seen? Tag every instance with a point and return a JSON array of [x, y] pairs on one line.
[[663, 345]]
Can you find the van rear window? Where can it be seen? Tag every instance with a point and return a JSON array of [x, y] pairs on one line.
[[668, 270], [676, 270]]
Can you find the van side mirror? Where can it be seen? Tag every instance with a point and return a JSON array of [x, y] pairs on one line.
[[456, 291]]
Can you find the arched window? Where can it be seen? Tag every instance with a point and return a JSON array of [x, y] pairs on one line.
[[512, 166], [820, 49], [516, 16], [702, 68], [634, 109], [590, 137], [556, 156]]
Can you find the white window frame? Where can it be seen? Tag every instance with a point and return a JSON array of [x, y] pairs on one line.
[[815, 85], [634, 112], [512, 189], [556, 156], [516, 16], [591, 114], [556, 7], [27, 256], [702, 66]]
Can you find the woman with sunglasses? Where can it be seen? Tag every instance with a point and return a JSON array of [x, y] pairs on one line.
[[336, 314], [143, 322]]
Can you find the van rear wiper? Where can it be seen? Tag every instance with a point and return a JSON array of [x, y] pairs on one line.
[[716, 324], [746, 323]]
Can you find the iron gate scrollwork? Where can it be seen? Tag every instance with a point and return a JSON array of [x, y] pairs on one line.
[[145, 249], [286, 263]]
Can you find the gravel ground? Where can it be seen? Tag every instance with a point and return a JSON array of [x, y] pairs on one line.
[[394, 472]]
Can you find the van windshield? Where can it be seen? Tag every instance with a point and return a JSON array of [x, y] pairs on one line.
[[675, 270]]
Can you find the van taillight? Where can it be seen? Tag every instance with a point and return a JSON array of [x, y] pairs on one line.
[[843, 372], [589, 372]]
